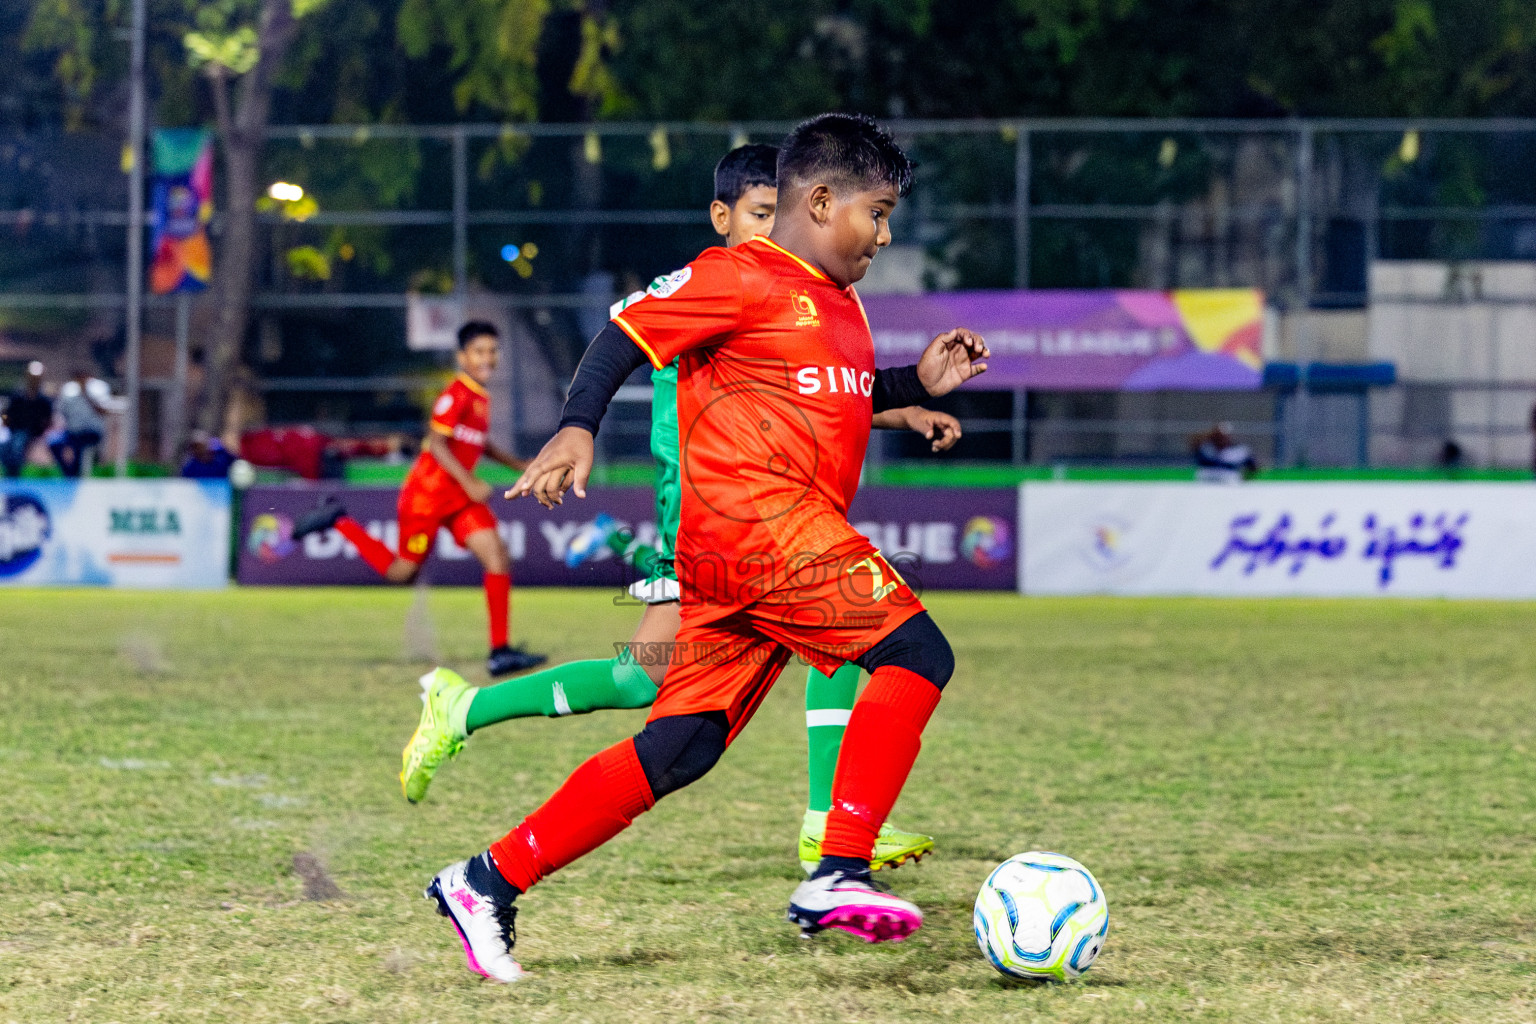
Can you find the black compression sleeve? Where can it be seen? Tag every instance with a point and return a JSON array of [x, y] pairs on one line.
[[608, 362], [898, 388]]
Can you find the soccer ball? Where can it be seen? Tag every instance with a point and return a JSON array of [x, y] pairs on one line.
[[1041, 916], [241, 474]]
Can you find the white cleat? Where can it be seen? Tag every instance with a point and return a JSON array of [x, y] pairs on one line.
[[487, 929], [852, 903]]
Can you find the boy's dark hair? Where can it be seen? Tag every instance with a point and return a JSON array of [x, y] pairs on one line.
[[745, 167], [845, 151], [472, 330]]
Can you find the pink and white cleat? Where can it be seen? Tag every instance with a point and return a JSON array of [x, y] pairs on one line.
[[851, 902], [488, 929]]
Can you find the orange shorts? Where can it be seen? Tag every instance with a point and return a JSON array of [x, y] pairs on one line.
[[418, 530], [830, 612]]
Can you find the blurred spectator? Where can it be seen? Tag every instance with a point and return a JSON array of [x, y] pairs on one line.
[[1219, 459], [207, 458], [1451, 456], [28, 415], [83, 404]]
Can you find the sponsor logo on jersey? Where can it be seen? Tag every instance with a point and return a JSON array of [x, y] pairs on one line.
[[666, 285], [805, 309], [469, 435], [835, 379]]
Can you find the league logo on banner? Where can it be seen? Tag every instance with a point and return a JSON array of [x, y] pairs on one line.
[[1105, 340], [182, 204]]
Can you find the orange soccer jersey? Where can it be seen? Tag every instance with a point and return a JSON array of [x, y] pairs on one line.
[[431, 497], [776, 373]]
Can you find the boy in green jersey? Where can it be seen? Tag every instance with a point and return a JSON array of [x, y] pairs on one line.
[[745, 198]]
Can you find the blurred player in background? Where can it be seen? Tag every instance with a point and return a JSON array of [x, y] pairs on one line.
[[746, 195], [442, 490], [778, 384]]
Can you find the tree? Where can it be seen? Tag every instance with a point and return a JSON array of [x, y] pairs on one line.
[[255, 54], [244, 59]]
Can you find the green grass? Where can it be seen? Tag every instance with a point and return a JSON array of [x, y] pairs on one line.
[[1300, 811]]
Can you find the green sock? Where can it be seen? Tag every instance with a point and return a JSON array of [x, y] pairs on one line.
[[574, 688], [828, 703]]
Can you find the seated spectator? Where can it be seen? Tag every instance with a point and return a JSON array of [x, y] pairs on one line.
[[28, 415], [1219, 459], [83, 404], [207, 458]]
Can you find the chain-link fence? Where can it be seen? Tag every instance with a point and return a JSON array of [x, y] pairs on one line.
[[1403, 241]]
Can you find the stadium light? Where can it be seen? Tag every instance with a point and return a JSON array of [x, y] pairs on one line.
[[285, 192]]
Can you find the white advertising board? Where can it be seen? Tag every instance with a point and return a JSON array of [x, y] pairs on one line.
[[1317, 539], [114, 533]]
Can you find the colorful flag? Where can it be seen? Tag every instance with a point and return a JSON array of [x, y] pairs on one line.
[[182, 205]]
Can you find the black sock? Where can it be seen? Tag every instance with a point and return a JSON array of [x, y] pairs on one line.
[[850, 865], [485, 877]]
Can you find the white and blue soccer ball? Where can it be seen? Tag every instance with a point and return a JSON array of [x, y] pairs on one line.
[[1041, 916]]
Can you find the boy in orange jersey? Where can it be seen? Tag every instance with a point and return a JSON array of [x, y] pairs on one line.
[[442, 490], [778, 386]]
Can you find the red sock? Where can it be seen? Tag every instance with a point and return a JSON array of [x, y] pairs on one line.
[[379, 557], [498, 601], [883, 737], [596, 803]]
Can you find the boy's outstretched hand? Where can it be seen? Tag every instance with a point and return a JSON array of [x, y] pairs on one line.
[[564, 463], [939, 427], [950, 360]]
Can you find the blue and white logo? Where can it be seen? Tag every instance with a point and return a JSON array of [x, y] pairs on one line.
[[24, 526]]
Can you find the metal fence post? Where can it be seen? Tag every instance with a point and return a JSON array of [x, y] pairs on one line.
[[178, 418], [460, 210], [129, 441], [1021, 174], [1300, 424], [1020, 425]]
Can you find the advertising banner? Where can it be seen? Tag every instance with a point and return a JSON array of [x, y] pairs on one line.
[[182, 205], [939, 538], [1320, 539], [114, 533], [1101, 340]]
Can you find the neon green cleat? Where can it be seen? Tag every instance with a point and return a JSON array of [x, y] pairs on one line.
[[445, 698], [893, 847]]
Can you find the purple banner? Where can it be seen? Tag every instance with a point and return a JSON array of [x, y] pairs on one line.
[[939, 538], [1190, 340]]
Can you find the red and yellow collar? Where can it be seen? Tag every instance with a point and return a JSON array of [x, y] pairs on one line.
[[472, 384], [779, 248]]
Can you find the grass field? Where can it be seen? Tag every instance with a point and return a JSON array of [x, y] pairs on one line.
[[1299, 811]]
